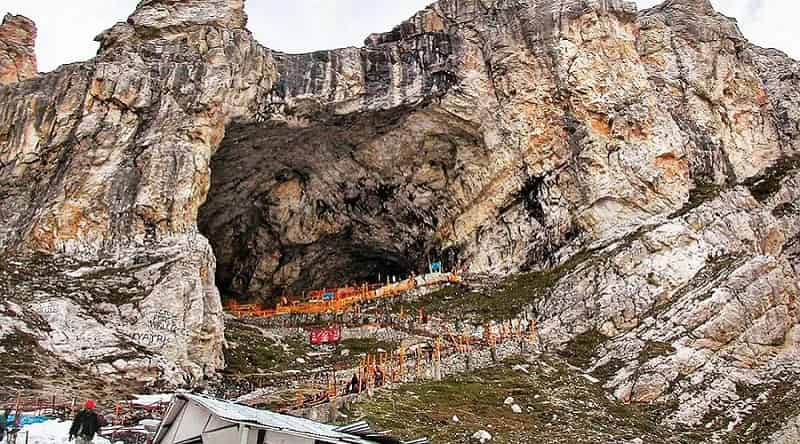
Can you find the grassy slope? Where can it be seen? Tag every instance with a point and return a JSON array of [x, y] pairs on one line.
[[559, 406]]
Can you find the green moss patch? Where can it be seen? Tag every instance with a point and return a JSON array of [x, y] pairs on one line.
[[250, 352], [21, 361], [700, 194], [653, 349], [362, 346], [771, 413], [609, 369], [559, 406], [504, 301], [581, 348]]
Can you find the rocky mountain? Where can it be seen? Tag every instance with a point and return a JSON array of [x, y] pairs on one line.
[[647, 161], [104, 166], [17, 56]]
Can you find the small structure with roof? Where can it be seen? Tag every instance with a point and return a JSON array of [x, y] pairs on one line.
[[194, 419]]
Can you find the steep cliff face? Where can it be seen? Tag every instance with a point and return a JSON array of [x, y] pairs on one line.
[[697, 304], [17, 49], [105, 163], [647, 161], [516, 135]]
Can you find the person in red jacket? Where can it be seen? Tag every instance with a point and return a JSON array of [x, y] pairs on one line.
[[86, 424]]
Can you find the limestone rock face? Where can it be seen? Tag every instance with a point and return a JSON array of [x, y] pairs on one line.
[[514, 149], [647, 161], [789, 434], [180, 15], [17, 52], [538, 129], [106, 163]]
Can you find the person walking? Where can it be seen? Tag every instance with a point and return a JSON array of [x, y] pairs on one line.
[[86, 423], [16, 424], [354, 386]]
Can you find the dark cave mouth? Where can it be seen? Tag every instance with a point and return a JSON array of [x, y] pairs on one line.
[[265, 198], [350, 264], [250, 268], [321, 203], [346, 265]]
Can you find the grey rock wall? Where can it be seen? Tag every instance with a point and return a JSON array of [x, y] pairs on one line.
[[105, 164]]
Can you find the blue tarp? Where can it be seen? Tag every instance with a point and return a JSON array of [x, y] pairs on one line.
[[27, 420]]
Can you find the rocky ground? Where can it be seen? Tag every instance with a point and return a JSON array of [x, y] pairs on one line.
[[564, 392], [559, 404]]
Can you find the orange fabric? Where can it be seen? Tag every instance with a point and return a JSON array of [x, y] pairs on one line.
[[344, 299]]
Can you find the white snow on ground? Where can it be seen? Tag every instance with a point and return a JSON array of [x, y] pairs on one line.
[[51, 432]]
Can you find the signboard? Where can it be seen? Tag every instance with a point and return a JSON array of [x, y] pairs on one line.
[[327, 335]]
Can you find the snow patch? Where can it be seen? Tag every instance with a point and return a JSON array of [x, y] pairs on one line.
[[482, 436], [51, 432]]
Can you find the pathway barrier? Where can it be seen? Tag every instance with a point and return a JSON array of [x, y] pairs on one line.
[[339, 300], [422, 361]]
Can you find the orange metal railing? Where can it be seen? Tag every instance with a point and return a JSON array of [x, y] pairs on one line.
[[336, 300]]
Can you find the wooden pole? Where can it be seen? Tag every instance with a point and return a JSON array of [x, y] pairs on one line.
[[402, 362], [453, 339], [419, 363], [438, 361]]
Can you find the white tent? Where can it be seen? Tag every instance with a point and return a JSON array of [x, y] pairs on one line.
[[193, 419]]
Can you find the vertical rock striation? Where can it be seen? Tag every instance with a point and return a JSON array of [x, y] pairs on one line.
[[17, 49], [645, 161], [565, 123], [106, 163]]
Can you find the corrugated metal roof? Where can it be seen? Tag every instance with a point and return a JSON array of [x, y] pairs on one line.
[[360, 426], [274, 421], [363, 429]]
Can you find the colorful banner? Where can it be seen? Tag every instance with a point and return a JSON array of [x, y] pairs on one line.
[[328, 335]]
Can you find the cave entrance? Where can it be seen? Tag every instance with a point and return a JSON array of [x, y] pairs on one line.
[[298, 206]]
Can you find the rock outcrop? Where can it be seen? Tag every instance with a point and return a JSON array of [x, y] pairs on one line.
[[17, 49], [647, 161], [537, 130], [105, 164]]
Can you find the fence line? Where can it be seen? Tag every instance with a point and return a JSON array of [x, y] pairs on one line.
[[339, 300]]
